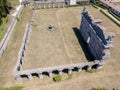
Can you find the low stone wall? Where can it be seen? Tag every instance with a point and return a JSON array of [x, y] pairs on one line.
[[47, 4], [7, 36], [39, 72]]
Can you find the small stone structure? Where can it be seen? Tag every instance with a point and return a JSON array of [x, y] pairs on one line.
[[96, 38], [51, 27]]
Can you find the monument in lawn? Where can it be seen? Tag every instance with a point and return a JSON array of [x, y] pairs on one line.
[[97, 40]]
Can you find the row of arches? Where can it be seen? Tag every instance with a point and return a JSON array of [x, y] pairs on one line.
[[55, 71]]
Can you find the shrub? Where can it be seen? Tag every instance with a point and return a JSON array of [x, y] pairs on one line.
[[98, 89], [90, 70], [57, 78], [94, 6]]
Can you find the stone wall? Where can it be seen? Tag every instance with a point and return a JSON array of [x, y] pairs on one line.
[[95, 36], [7, 36]]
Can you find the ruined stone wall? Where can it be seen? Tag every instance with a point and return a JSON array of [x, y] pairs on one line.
[[95, 36]]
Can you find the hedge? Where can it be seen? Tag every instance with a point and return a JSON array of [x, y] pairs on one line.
[[117, 17], [110, 18]]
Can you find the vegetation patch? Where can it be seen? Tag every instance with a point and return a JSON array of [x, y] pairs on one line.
[[109, 17], [91, 70], [94, 6], [99, 88], [57, 78], [99, 4], [69, 76], [12, 88], [114, 15]]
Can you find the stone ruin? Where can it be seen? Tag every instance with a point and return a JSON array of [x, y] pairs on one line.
[[97, 40], [47, 4], [51, 27]]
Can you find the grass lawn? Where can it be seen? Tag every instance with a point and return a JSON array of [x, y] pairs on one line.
[[12, 88]]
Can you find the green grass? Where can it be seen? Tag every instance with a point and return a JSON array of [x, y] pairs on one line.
[[12, 88], [3, 27], [98, 88], [91, 70], [14, 3]]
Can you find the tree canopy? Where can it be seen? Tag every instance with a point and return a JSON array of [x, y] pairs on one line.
[[4, 9]]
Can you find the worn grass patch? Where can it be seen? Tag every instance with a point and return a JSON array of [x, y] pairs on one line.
[[12, 88]]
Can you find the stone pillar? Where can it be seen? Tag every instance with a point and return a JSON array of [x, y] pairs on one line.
[[79, 69], [63, 5], [89, 67], [30, 77], [58, 5], [19, 78], [53, 5], [39, 6], [49, 5], [60, 72], [69, 71], [99, 66], [50, 74], [40, 75], [44, 6]]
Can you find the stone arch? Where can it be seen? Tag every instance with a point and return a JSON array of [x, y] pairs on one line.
[[95, 66], [86, 67], [46, 73], [21, 62], [55, 72], [24, 76], [75, 69], [35, 74], [65, 70]]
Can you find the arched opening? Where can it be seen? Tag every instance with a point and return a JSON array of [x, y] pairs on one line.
[[65, 70], [24, 76], [18, 68], [85, 67], [45, 73], [55, 72], [95, 66], [75, 69], [35, 75], [21, 61]]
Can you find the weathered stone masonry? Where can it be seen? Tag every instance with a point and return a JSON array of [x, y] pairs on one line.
[[96, 38]]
